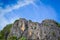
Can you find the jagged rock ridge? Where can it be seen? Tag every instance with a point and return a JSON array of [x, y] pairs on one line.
[[47, 30]]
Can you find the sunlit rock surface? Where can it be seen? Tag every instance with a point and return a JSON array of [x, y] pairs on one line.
[[47, 30]]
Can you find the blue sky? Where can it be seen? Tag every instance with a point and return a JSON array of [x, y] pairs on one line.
[[35, 10]]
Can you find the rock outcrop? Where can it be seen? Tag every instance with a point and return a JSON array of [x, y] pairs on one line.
[[47, 30]]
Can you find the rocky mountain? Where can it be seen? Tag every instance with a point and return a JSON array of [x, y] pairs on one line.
[[46, 30]]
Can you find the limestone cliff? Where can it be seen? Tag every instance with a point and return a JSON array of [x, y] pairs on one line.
[[47, 30]]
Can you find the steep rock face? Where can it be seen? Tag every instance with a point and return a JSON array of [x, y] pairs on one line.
[[47, 30]]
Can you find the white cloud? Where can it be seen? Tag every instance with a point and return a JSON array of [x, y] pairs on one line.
[[41, 11], [9, 8], [3, 22], [18, 5]]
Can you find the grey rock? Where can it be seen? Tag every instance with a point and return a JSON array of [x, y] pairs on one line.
[[47, 30]]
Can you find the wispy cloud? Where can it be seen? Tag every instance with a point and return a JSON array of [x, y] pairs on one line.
[[9, 8], [40, 12], [18, 5], [43, 11], [3, 22]]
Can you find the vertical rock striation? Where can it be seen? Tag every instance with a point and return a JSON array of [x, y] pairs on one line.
[[47, 30]]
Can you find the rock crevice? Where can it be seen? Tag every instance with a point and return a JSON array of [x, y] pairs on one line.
[[47, 30]]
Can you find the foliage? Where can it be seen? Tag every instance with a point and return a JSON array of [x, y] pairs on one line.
[[53, 33], [16, 21], [34, 27], [12, 38], [58, 25], [8, 27], [1, 36], [30, 21], [46, 25], [58, 38], [5, 29], [22, 38]]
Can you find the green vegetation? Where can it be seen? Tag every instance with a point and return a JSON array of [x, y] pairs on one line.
[[5, 31], [16, 21], [58, 25], [15, 38], [12, 38], [30, 21], [53, 33], [58, 38], [7, 28], [34, 27], [46, 25], [22, 38], [1, 36]]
